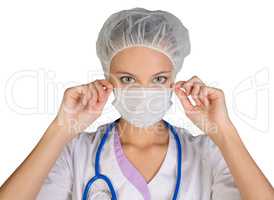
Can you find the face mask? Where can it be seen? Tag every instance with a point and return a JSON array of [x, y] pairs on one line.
[[142, 107]]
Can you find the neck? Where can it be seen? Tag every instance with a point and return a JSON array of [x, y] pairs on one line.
[[142, 137]]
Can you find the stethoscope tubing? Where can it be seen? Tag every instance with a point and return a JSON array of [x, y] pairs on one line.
[[98, 174]]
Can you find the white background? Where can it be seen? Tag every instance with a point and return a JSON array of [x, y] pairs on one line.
[[47, 46]]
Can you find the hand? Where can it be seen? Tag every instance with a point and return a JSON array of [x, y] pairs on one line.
[[82, 105], [210, 112]]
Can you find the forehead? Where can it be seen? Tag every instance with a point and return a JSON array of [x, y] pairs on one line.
[[140, 59]]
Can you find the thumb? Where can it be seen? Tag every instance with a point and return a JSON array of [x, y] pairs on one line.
[[103, 101]]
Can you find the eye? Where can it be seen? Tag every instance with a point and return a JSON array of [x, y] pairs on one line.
[[159, 79], [127, 79]]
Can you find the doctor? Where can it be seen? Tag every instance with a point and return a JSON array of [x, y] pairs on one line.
[[140, 155]]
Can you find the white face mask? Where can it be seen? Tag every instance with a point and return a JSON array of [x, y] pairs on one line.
[[142, 107]]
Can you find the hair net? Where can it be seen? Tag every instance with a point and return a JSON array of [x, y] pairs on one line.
[[156, 29]]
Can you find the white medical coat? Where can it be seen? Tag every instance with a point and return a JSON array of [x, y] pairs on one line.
[[205, 175]]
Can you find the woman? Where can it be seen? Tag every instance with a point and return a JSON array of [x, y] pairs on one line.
[[141, 52]]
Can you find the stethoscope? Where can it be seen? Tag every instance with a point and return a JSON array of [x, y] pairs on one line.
[[98, 174]]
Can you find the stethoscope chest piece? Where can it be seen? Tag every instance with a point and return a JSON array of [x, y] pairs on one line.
[[99, 191], [100, 195]]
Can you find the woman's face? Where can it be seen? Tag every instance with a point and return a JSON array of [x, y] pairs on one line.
[[141, 67]]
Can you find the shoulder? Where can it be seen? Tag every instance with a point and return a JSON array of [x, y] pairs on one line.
[[194, 141], [87, 139], [203, 151], [199, 145]]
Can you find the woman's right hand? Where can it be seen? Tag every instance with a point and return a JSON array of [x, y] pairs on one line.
[[82, 105]]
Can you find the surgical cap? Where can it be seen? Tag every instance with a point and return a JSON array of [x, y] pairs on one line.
[[156, 29]]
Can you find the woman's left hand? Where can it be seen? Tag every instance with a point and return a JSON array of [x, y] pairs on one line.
[[210, 112], [210, 115]]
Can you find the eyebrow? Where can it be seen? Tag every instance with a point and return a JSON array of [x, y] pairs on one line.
[[161, 72]]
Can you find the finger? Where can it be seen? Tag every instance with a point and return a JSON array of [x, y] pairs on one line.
[[214, 93], [183, 98], [100, 90], [73, 96], [196, 79], [100, 104], [74, 92], [84, 94], [189, 83], [195, 92], [203, 95], [102, 95], [178, 84], [93, 92]]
